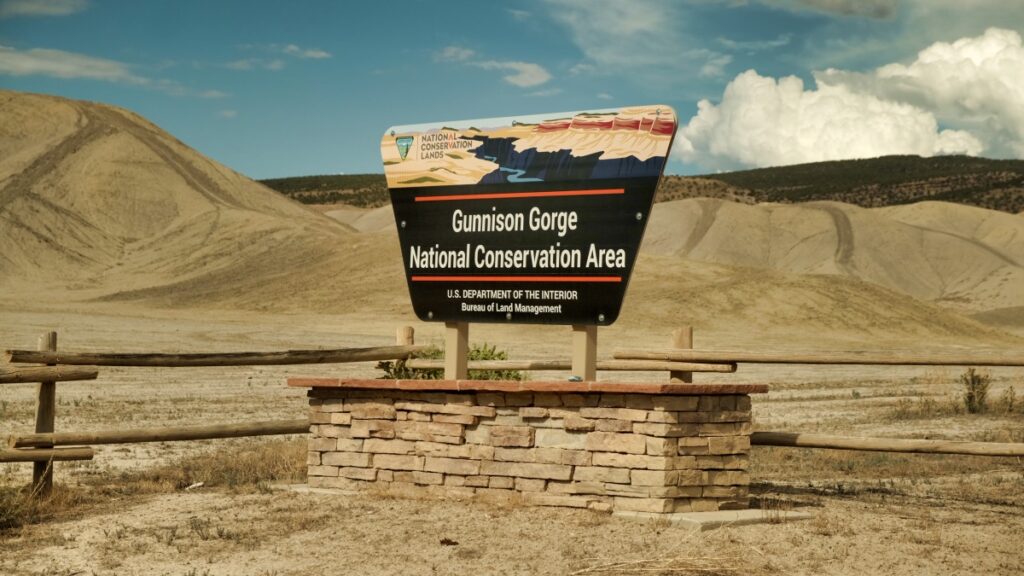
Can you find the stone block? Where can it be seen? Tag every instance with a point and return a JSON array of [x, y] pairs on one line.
[[561, 456], [322, 444], [730, 429], [493, 399], [743, 403], [312, 458], [675, 403], [662, 446], [322, 470], [362, 410], [668, 417], [464, 451], [515, 454], [614, 413], [693, 446], [529, 485], [333, 405], [708, 404], [348, 445], [365, 474], [478, 434], [477, 481], [613, 425], [464, 419], [665, 430], [612, 442], [484, 411], [452, 466], [547, 400], [373, 429], [531, 412], [417, 416], [691, 478], [601, 474], [499, 482], [723, 462], [577, 400], [340, 418], [640, 401], [332, 431], [454, 480], [512, 436], [612, 401], [613, 460], [519, 399], [427, 478], [558, 438], [653, 477], [526, 470], [576, 423], [728, 444], [378, 446], [352, 459], [398, 462], [318, 417]]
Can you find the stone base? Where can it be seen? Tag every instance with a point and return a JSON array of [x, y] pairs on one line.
[[667, 450]]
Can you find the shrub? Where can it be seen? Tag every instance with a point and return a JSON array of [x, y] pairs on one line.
[[397, 370], [975, 390]]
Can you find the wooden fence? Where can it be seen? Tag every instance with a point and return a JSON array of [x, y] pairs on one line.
[[45, 446]]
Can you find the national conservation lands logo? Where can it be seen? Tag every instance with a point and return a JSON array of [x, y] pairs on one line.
[[404, 143], [533, 219]]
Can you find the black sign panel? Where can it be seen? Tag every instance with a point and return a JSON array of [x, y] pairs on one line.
[[551, 239]]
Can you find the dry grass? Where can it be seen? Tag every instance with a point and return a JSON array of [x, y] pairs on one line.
[[249, 468]]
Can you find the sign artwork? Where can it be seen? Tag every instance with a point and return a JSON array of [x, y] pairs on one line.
[[532, 219]]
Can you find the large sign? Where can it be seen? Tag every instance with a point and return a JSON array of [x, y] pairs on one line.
[[534, 219]]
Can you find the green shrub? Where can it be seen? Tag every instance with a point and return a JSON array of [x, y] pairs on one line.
[[975, 390], [397, 370]]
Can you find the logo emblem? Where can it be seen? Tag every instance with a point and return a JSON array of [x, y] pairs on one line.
[[403, 143]]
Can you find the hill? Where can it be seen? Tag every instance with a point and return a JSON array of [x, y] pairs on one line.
[[875, 182], [102, 208]]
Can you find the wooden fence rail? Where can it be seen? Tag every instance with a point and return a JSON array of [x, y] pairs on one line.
[[163, 434], [799, 440], [861, 358], [46, 455], [223, 359], [608, 365], [32, 374]]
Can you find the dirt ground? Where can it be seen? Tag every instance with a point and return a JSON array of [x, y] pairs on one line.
[[874, 513]]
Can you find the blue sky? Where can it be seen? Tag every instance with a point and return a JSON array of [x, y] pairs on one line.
[[280, 89]]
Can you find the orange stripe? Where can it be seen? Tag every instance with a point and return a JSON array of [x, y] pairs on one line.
[[501, 195], [517, 279]]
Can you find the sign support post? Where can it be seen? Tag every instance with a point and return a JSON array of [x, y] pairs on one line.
[[682, 338], [456, 350], [584, 351]]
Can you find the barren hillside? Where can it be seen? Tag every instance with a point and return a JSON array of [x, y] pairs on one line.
[[100, 207]]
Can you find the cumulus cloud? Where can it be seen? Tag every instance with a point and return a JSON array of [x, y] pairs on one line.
[[766, 122], [523, 74], [756, 45], [973, 83], [314, 53], [15, 8]]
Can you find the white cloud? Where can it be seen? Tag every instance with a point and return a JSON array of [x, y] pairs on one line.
[[61, 64], [15, 8], [524, 74], [228, 114], [521, 15], [245, 64], [314, 53], [454, 54], [764, 122], [605, 96], [643, 40], [546, 92], [974, 83], [756, 45]]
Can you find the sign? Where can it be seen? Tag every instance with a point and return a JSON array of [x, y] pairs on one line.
[[533, 219]]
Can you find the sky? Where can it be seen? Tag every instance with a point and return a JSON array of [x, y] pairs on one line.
[[275, 89]]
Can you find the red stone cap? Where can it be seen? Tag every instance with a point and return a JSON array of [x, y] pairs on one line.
[[675, 389]]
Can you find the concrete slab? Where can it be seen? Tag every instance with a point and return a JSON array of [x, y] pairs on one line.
[[720, 519]]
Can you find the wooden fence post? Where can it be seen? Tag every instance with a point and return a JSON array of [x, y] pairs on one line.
[[682, 338], [584, 352], [46, 412], [405, 336], [456, 350]]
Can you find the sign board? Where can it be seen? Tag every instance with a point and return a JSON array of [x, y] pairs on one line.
[[532, 219]]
